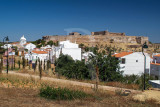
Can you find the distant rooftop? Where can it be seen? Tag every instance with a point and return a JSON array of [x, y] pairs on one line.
[[118, 55]]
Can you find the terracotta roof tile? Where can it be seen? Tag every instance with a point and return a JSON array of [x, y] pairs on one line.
[[15, 43], [155, 64], [122, 54], [26, 43], [40, 52], [157, 55]]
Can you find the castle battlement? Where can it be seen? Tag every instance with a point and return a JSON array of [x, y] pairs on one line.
[[98, 37]]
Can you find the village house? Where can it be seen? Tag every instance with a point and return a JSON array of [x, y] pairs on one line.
[[6, 45], [29, 46], [66, 48], [21, 51], [36, 54], [46, 47], [155, 66], [133, 62], [11, 56]]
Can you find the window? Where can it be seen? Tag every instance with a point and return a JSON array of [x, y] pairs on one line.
[[136, 60], [123, 61]]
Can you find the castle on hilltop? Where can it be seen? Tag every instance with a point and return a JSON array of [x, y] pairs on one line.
[[99, 38]]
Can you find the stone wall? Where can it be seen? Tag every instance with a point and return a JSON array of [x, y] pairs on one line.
[[100, 37], [106, 33], [156, 45]]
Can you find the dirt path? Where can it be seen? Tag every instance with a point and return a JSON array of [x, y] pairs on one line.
[[148, 95], [76, 83]]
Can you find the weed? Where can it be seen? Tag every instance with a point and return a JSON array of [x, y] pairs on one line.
[[61, 93], [118, 91]]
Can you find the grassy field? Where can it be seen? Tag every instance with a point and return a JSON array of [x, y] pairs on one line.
[[21, 91], [50, 73]]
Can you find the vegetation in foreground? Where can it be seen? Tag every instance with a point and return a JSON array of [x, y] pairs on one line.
[[108, 72], [28, 92], [61, 93]]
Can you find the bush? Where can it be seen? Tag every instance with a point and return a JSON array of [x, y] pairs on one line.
[[61, 93], [138, 79], [108, 67], [69, 68]]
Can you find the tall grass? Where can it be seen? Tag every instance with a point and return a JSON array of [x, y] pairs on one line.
[[61, 93]]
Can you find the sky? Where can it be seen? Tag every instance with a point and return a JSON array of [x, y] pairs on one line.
[[37, 18]]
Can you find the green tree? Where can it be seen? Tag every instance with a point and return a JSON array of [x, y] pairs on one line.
[[48, 64], [50, 43], [81, 45], [66, 66], [39, 42], [62, 64], [86, 49], [27, 61], [1, 65], [44, 66], [23, 62], [14, 63], [35, 66], [107, 67], [40, 69], [19, 63], [94, 49]]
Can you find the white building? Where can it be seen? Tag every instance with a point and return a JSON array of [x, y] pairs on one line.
[[133, 63], [66, 48], [35, 55], [29, 46], [23, 40], [68, 44], [155, 66], [42, 55], [46, 47], [86, 55], [7, 45]]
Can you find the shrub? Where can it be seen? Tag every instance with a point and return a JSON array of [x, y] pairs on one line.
[[69, 68], [61, 93]]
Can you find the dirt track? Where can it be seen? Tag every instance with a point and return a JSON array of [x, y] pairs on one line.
[[76, 83]]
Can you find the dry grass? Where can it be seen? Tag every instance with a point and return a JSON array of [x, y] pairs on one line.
[[22, 91], [49, 73], [122, 85]]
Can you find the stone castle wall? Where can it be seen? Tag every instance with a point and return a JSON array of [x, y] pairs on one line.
[[106, 33], [100, 37]]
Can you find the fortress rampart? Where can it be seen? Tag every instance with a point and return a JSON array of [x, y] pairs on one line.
[[98, 37]]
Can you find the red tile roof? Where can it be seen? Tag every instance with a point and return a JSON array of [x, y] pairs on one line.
[[15, 43], [155, 64], [40, 52], [122, 54], [26, 43], [157, 55]]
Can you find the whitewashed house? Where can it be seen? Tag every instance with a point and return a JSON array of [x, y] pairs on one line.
[[66, 48], [133, 63], [155, 66], [29, 46], [46, 47], [42, 55], [35, 55], [6, 45]]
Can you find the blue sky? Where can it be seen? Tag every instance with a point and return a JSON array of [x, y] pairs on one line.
[[36, 18]]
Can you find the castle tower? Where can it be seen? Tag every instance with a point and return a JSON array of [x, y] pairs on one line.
[[22, 40]]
